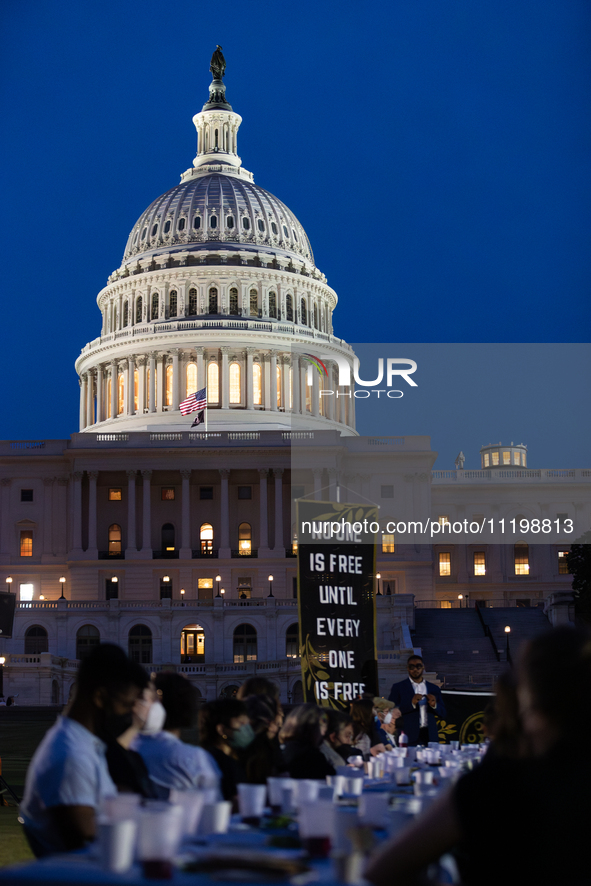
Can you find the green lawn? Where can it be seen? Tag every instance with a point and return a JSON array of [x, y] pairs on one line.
[[13, 844]]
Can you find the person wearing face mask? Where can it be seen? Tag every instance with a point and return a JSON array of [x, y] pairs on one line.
[[387, 714], [226, 733], [68, 776], [173, 763], [263, 758], [337, 746], [302, 735]]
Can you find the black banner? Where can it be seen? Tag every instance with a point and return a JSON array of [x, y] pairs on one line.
[[463, 721], [336, 599]]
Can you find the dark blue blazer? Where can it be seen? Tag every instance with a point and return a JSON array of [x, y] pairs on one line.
[[402, 694]]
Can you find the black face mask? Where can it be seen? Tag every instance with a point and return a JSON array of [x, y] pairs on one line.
[[115, 725]]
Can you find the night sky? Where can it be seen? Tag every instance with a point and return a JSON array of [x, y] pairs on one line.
[[436, 152]]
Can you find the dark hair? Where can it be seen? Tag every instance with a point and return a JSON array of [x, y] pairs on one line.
[[261, 710], [257, 686], [337, 721], [303, 724], [502, 718], [556, 669], [108, 667], [220, 711], [179, 698], [362, 716], [413, 658]]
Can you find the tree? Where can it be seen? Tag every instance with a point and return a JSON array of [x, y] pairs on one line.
[[579, 564]]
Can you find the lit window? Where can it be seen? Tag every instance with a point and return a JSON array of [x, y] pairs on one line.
[[26, 495], [444, 563], [292, 641], [213, 301], [136, 389], [234, 373], [191, 378], [167, 493], [442, 520], [230, 222], [192, 302], [244, 587], [244, 539], [257, 387], [495, 458], [563, 563], [506, 458], [234, 301], [279, 378], [26, 544], [26, 592], [172, 303], [516, 459], [445, 604], [521, 559], [121, 392], [254, 303], [168, 391], [213, 383], [486, 460], [387, 491], [523, 459], [387, 544], [115, 493], [114, 539], [182, 223], [205, 588], [245, 643], [206, 538], [479, 563]]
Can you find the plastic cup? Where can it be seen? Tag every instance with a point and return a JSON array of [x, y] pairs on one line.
[[423, 776], [215, 818], [117, 844], [192, 803], [251, 802], [337, 783], [121, 807], [402, 775], [355, 786], [159, 836], [315, 822], [344, 821], [306, 791], [275, 788], [373, 809]]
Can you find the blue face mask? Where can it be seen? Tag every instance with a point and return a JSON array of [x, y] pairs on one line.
[[242, 737]]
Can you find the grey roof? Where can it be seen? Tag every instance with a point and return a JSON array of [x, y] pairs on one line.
[[182, 219]]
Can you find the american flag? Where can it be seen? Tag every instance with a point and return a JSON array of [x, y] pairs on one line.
[[195, 403]]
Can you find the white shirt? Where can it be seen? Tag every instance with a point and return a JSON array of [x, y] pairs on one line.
[[173, 763], [421, 689], [68, 769]]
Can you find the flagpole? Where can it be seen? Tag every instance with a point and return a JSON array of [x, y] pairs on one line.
[[206, 411]]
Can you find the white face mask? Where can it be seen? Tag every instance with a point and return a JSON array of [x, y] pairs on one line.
[[155, 719], [388, 718]]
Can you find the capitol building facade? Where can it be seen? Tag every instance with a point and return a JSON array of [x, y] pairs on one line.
[[180, 543]]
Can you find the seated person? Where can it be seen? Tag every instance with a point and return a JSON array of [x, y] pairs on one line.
[[126, 766], [68, 777], [173, 763], [257, 686], [224, 731], [263, 758], [386, 714], [302, 735], [337, 745], [368, 739]]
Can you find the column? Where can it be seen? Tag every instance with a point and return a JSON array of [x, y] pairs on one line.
[[297, 403], [225, 379], [285, 394], [77, 513], [82, 383], [152, 391], [147, 514], [113, 405], [123, 366], [186, 552], [90, 398], [47, 508], [250, 352], [279, 548], [100, 394], [224, 549], [317, 483], [273, 380], [160, 386], [120, 311], [176, 379], [315, 394], [266, 374], [141, 394], [131, 385], [263, 526], [91, 550], [131, 549]]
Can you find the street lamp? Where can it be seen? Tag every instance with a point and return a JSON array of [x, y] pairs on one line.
[[9, 582], [507, 632], [218, 579], [41, 596], [270, 580], [222, 591], [460, 598], [183, 596], [378, 576], [62, 583]]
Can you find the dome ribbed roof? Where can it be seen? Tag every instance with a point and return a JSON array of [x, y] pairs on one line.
[[217, 211]]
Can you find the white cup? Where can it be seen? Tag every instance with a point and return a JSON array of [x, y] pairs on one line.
[[192, 803], [344, 820], [315, 819], [373, 808], [117, 844], [251, 800], [306, 791], [402, 775], [160, 831], [355, 786], [275, 788], [423, 776], [215, 818], [121, 807]]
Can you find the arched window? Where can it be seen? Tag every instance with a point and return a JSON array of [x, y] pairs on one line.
[[167, 538], [172, 303], [114, 539], [206, 539], [273, 305], [292, 641], [213, 222], [167, 226], [234, 383], [140, 644], [230, 222], [192, 302], [120, 393], [87, 637], [257, 387], [229, 691], [254, 303], [315, 316], [136, 389], [192, 644], [261, 225], [274, 228], [168, 387], [279, 380], [154, 306], [245, 539], [297, 692], [125, 313], [138, 310], [213, 300], [191, 378], [304, 312], [197, 222], [234, 301], [246, 224], [289, 306], [181, 224], [213, 383], [245, 644], [55, 692], [154, 230], [36, 640]]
